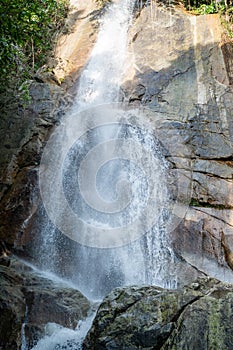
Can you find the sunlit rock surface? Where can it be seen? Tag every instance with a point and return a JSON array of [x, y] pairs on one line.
[[180, 69], [74, 46]]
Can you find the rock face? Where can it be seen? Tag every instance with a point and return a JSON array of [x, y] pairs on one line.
[[23, 134], [74, 47], [28, 302], [181, 72], [199, 316]]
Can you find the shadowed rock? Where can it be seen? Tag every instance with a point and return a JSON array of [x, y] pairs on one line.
[[26, 298]]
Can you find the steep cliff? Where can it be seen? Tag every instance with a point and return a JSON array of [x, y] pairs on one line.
[[180, 71]]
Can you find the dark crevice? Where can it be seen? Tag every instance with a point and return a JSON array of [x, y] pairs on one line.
[[212, 215], [197, 203], [212, 175], [187, 262], [177, 73], [177, 316], [118, 312], [223, 159], [35, 134]]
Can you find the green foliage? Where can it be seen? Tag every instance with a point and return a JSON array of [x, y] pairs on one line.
[[24, 94], [204, 7], [26, 35]]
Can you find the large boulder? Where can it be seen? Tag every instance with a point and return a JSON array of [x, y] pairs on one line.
[[199, 316], [28, 302]]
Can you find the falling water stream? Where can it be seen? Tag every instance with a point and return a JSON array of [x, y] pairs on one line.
[[97, 270]]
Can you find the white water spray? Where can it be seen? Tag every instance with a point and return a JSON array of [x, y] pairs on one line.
[[60, 338], [101, 79]]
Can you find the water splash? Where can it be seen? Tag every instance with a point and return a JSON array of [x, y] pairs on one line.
[[60, 338], [23, 335]]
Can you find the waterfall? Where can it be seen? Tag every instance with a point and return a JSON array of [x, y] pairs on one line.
[[100, 80], [110, 192], [103, 180]]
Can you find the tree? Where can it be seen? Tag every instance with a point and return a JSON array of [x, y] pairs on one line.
[[26, 33]]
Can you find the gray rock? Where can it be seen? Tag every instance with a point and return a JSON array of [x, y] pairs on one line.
[[211, 190], [216, 168], [195, 317], [23, 132], [184, 77], [197, 240]]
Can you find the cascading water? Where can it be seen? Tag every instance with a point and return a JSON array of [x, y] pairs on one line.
[[100, 80], [98, 268]]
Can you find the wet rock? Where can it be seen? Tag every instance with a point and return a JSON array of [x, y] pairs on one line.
[[12, 309], [28, 302], [24, 133], [195, 317]]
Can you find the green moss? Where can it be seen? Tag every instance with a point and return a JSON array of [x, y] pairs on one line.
[[196, 203], [215, 336], [168, 307]]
